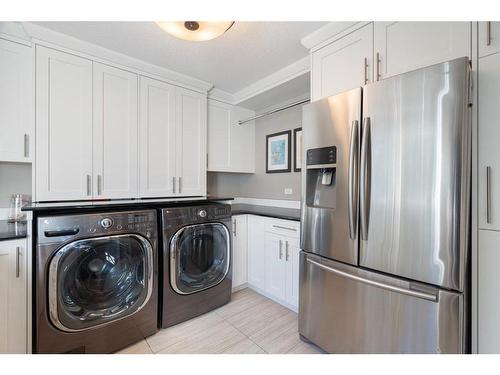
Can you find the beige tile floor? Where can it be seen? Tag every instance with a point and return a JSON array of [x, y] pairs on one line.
[[249, 324]]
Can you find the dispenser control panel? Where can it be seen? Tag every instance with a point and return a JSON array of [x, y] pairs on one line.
[[322, 156]]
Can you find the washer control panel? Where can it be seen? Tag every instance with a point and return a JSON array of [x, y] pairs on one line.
[[55, 228]]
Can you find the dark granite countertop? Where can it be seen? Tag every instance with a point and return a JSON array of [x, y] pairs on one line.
[[277, 212], [119, 204], [12, 231]]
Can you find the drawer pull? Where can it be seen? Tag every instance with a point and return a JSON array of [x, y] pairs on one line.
[[286, 228], [18, 255]]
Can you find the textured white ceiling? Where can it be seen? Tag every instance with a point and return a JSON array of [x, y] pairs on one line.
[[249, 51]]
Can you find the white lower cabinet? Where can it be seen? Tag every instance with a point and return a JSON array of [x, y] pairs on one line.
[[488, 295], [256, 261], [240, 245], [273, 259], [13, 297]]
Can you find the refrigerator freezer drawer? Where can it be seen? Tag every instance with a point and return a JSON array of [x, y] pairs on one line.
[[344, 309]]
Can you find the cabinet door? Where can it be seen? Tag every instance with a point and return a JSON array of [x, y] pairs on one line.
[[275, 268], [489, 38], [406, 46], [231, 147], [343, 64], [292, 249], [242, 141], [157, 138], [219, 136], [115, 133], [256, 261], [16, 98], [488, 286], [13, 288], [63, 126], [489, 139], [239, 250], [191, 136]]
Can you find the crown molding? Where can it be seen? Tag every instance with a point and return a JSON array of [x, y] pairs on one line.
[[15, 32], [329, 31], [275, 79], [53, 39]]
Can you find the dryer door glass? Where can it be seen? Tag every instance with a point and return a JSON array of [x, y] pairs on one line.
[[99, 280], [199, 257]]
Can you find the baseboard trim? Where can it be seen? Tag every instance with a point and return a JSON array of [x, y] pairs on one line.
[[267, 295]]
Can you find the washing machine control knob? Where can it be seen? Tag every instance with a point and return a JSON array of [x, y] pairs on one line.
[[106, 222], [202, 213]]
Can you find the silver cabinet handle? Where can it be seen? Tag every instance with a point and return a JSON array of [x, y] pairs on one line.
[[378, 66], [89, 185], [488, 194], [353, 186], [286, 228], [26, 145], [365, 177], [281, 249], [488, 33], [173, 185], [286, 251], [18, 255], [234, 228], [393, 288], [99, 184], [365, 67], [180, 184]]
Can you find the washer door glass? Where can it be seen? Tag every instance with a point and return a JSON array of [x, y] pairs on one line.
[[99, 280], [199, 257]]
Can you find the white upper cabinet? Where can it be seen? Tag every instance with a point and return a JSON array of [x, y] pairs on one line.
[[489, 140], [489, 38], [16, 62], [63, 126], [13, 296], [191, 139], [231, 147], [157, 138], [115, 133], [405, 46], [343, 64]]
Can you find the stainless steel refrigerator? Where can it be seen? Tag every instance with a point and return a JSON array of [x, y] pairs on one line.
[[385, 215]]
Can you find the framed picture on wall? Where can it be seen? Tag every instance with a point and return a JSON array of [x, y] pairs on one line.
[[297, 149], [278, 152]]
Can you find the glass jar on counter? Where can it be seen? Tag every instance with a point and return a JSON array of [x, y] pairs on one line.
[[17, 202]]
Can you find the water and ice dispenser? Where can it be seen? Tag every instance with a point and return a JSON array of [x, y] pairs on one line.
[[321, 168]]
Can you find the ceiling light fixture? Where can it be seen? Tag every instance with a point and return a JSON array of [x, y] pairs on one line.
[[195, 30]]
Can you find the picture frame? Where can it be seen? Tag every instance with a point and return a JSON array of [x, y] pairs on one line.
[[279, 152], [297, 149]]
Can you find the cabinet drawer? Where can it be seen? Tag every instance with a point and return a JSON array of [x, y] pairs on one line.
[[283, 227]]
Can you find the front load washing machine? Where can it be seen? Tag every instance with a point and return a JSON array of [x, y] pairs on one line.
[[196, 261], [96, 281]]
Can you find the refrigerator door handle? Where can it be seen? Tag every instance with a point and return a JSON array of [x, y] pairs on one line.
[[393, 288], [353, 185], [365, 178]]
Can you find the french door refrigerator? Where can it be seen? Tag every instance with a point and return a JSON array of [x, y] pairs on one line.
[[385, 215]]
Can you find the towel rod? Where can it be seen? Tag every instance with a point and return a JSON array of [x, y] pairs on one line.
[[241, 122]]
